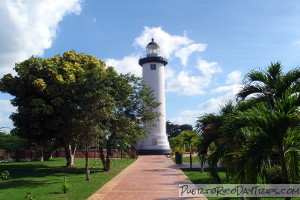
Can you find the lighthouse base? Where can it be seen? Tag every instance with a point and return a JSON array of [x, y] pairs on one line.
[[155, 144], [155, 152]]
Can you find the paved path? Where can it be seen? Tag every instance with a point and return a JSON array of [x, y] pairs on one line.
[[149, 177]]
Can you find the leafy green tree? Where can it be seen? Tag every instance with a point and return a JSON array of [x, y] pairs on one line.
[[10, 142], [95, 107], [46, 94], [268, 86], [134, 105], [174, 130]]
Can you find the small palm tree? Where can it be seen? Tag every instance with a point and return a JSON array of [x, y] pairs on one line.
[[185, 141]]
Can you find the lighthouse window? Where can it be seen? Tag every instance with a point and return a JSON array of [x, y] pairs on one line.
[[153, 66]]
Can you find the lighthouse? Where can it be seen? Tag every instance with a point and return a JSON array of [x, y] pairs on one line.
[[153, 64]]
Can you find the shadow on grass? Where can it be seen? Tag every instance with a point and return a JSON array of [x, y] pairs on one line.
[[21, 184], [203, 177], [18, 170]]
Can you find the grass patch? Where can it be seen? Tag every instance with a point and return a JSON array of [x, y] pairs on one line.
[[197, 177], [45, 179], [187, 160]]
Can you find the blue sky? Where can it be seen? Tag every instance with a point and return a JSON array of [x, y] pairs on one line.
[[210, 44]]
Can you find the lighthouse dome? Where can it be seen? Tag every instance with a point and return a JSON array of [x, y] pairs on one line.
[[152, 49], [152, 44]]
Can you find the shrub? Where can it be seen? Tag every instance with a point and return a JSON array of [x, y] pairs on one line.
[[66, 187], [29, 196], [4, 175]]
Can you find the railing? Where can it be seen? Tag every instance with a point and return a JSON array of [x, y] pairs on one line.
[[152, 55]]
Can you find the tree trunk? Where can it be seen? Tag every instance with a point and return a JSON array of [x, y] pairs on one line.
[[284, 172], [87, 170], [48, 154], [102, 157], [202, 164], [70, 154], [191, 160], [106, 167], [42, 155]]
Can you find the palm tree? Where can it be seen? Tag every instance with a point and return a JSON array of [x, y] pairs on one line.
[[268, 132], [185, 141], [215, 137], [269, 85]]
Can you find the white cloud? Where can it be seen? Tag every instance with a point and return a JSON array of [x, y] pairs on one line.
[[185, 52], [184, 120], [168, 43], [5, 106], [6, 110], [187, 117], [208, 68], [234, 77], [128, 64], [29, 27], [184, 84], [181, 46], [235, 88], [169, 73], [213, 104]]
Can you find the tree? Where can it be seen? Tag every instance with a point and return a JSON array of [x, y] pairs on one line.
[[174, 130], [10, 142], [134, 105], [269, 85], [269, 133], [46, 94], [214, 138], [95, 105], [185, 141]]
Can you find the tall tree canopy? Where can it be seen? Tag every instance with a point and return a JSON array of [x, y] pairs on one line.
[[75, 98]]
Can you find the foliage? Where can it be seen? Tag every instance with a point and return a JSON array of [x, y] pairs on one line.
[[269, 85], [174, 130], [259, 135], [4, 175], [29, 196], [185, 141], [10, 142], [134, 105], [75, 99], [268, 133], [65, 187]]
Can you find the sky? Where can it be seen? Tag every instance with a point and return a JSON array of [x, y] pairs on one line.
[[210, 44]]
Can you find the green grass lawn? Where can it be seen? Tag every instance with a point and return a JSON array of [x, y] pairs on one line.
[[44, 179], [197, 177], [187, 160]]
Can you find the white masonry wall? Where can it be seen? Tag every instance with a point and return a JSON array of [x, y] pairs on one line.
[[156, 80]]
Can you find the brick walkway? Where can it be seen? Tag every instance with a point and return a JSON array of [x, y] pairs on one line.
[[150, 177]]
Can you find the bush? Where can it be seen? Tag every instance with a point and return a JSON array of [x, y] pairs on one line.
[[29, 196], [4, 175], [274, 175], [66, 187], [10, 142]]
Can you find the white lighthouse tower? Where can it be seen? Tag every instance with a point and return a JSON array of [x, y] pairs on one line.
[[153, 64]]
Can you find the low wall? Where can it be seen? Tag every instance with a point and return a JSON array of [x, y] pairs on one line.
[[29, 155]]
